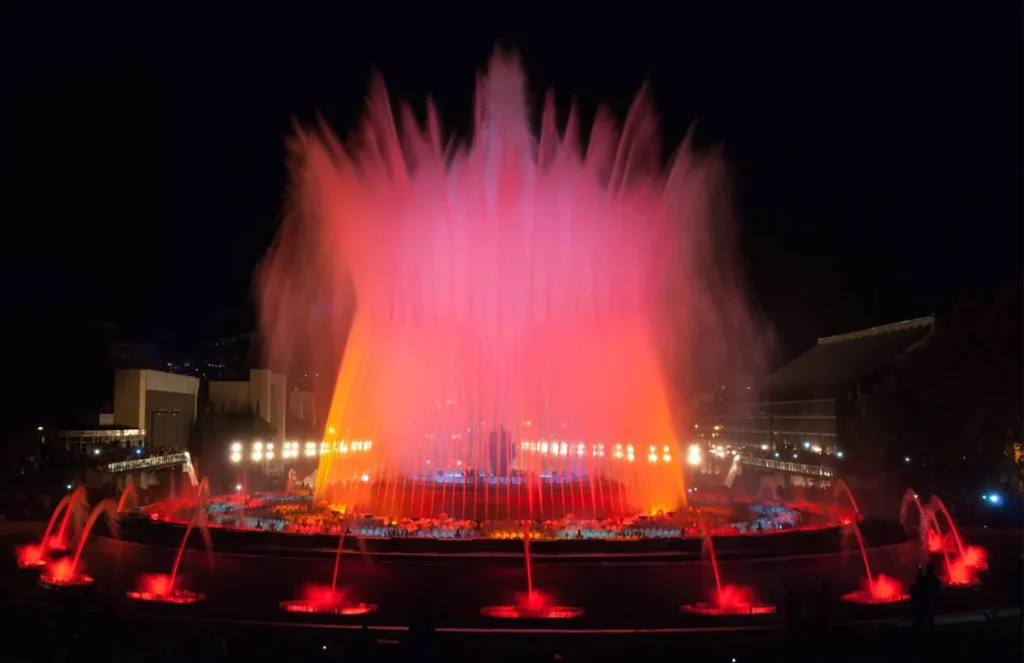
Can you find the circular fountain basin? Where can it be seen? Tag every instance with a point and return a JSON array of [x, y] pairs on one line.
[[175, 597], [314, 607], [517, 612], [739, 610]]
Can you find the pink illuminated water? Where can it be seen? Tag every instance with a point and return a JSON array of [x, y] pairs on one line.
[[522, 305]]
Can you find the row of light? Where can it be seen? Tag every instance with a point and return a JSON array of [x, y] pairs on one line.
[[619, 451], [258, 451]]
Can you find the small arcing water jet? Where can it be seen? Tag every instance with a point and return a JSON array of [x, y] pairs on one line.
[[161, 588], [64, 572], [878, 588], [532, 604], [329, 600], [726, 599], [34, 556]]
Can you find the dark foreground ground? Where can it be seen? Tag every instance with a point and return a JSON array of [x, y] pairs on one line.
[[54, 636], [981, 624]]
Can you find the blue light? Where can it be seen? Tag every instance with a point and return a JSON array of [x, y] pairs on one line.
[[138, 451], [994, 499]]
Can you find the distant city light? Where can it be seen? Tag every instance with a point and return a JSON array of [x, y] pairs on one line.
[[238, 487], [95, 452], [807, 445], [906, 459], [839, 454], [693, 455], [764, 447]]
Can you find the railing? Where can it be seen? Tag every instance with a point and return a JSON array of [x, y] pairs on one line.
[[152, 462], [787, 466]]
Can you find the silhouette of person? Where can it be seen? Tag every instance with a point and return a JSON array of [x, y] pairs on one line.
[[931, 592], [918, 606]]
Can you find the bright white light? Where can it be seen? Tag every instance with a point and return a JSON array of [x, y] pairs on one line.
[[257, 456], [839, 454], [236, 446], [69, 486], [270, 455], [807, 445], [257, 446], [693, 455], [365, 478], [95, 452], [906, 459], [236, 458], [238, 487], [764, 447]]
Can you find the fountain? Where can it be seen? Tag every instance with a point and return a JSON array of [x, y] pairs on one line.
[[727, 600], [129, 491], [842, 489], [64, 573], [532, 604], [503, 301], [161, 588], [962, 571], [34, 556], [329, 600], [877, 588], [927, 526]]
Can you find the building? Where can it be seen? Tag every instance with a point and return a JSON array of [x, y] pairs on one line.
[[807, 404], [266, 394], [161, 404]]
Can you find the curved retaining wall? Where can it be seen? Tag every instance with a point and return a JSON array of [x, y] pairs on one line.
[[622, 591]]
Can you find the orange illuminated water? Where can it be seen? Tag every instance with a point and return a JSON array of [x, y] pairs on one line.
[[511, 309]]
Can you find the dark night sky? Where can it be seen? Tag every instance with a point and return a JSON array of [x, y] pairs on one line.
[[878, 155]]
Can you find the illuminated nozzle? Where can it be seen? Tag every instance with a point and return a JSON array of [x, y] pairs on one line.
[[531, 605], [880, 589], [62, 573], [732, 600], [31, 557], [159, 589], [326, 601]]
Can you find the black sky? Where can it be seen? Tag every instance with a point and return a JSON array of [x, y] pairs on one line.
[[878, 153]]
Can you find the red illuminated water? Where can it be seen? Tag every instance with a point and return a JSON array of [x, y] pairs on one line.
[[198, 519], [842, 489], [160, 589], [337, 559], [128, 492], [327, 600], [64, 572], [880, 589], [513, 314], [935, 505], [34, 556], [727, 599]]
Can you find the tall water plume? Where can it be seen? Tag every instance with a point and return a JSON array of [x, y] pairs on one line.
[[519, 313]]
